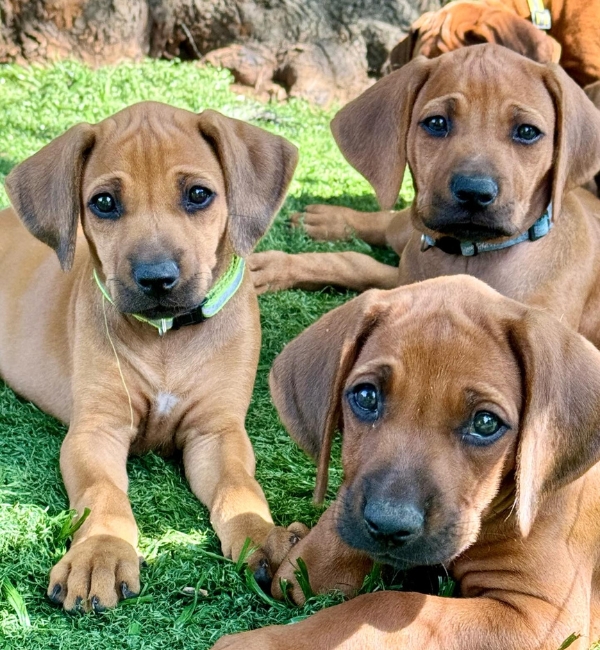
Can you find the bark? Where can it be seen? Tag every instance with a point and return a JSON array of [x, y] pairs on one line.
[[323, 50]]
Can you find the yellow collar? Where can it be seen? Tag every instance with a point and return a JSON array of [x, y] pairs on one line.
[[218, 296], [540, 16]]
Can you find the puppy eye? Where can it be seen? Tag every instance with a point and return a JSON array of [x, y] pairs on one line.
[[104, 206], [437, 126], [365, 402], [485, 428], [198, 198], [527, 134]]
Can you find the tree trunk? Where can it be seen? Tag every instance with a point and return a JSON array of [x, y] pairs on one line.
[[323, 50]]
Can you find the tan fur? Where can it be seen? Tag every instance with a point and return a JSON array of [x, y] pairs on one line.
[[185, 392], [516, 522], [486, 89], [573, 38]]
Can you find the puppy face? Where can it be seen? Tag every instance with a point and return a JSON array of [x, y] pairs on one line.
[[164, 196], [488, 135], [430, 416], [155, 210], [480, 145], [444, 391]]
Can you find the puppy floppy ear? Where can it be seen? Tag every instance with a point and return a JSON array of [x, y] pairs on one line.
[[45, 190], [371, 130], [560, 422], [501, 26], [577, 148], [403, 52], [258, 167], [308, 376]]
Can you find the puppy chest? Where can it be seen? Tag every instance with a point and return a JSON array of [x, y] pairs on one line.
[[158, 428]]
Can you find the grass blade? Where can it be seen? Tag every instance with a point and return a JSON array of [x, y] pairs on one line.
[[72, 525], [301, 574], [447, 587], [255, 587], [188, 611], [244, 553], [569, 641], [15, 600]]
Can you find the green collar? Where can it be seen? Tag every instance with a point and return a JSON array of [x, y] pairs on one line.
[[218, 296]]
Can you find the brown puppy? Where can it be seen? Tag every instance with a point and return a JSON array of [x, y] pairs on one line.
[[572, 33], [166, 201], [471, 425], [463, 23], [491, 139]]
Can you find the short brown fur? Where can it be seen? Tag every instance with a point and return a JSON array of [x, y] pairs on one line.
[[516, 522], [485, 90], [187, 391]]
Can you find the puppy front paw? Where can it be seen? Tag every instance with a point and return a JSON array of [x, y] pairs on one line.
[[265, 561], [331, 565], [95, 574], [325, 222], [270, 271]]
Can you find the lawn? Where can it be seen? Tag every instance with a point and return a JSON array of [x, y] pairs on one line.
[[36, 105], [191, 596]]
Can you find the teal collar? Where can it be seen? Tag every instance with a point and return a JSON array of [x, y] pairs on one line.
[[218, 296], [454, 246]]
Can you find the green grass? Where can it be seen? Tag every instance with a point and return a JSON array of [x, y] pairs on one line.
[[190, 595]]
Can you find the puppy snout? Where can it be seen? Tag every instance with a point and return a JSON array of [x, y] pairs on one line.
[[157, 278], [395, 524], [474, 192]]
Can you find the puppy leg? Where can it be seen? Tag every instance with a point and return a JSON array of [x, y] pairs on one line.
[[405, 621], [399, 231], [333, 223], [331, 563], [275, 271], [219, 465], [102, 565]]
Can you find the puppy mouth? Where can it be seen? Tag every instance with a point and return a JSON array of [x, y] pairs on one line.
[[163, 311], [451, 220], [472, 231], [171, 305]]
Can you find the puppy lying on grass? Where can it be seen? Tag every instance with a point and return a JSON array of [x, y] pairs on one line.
[[471, 429], [150, 339]]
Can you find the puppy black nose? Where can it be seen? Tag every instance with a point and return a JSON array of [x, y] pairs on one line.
[[474, 192], [158, 278], [393, 523]]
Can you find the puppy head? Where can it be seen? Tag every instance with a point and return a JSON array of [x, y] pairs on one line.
[[489, 137], [463, 23], [442, 390], [163, 195]]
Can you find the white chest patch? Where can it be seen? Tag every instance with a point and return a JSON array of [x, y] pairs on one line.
[[165, 403]]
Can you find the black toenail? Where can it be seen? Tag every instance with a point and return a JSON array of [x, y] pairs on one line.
[[263, 576], [78, 606], [54, 596], [294, 539], [96, 606], [126, 591]]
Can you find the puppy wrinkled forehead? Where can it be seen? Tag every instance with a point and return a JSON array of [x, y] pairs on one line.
[[484, 71], [450, 309], [149, 138]]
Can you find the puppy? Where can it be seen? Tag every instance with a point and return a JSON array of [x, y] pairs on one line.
[[148, 338], [471, 429], [498, 146], [553, 30], [462, 23]]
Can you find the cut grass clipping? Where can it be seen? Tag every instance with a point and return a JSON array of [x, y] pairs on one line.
[[191, 594]]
